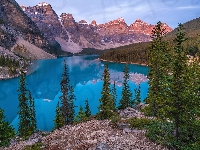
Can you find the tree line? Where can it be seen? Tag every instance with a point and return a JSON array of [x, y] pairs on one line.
[[12, 64]]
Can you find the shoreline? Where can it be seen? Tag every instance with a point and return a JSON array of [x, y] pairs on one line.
[[30, 69], [122, 62]]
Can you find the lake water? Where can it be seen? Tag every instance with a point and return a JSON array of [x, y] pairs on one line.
[[44, 83]]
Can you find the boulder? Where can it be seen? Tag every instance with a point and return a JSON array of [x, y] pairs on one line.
[[102, 146]]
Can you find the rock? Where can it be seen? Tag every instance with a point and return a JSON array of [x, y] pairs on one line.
[[102, 146], [123, 125], [137, 107], [127, 130]]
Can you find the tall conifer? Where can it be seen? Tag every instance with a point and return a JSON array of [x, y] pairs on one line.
[[126, 100], [158, 63], [106, 107], [27, 120], [59, 120], [32, 112], [87, 109], [65, 93], [137, 96], [67, 97], [114, 95]]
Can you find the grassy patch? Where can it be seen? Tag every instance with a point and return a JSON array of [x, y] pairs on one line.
[[139, 123], [36, 146]]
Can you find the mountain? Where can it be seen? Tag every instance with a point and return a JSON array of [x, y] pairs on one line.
[[74, 36], [16, 27], [137, 53]]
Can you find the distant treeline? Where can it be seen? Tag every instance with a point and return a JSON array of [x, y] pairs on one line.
[[89, 51], [5, 61], [134, 53]]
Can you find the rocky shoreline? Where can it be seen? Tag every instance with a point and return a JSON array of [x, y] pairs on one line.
[[93, 135]]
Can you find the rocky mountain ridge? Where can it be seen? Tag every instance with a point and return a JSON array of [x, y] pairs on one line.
[[73, 36], [14, 23]]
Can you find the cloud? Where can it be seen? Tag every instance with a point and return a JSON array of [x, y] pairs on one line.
[[187, 7]]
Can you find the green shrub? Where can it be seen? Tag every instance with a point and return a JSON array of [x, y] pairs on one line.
[[115, 119], [36, 146], [139, 123], [163, 133]]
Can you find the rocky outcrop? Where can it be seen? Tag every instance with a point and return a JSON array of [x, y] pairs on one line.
[[92, 135], [142, 27], [47, 21], [15, 23]]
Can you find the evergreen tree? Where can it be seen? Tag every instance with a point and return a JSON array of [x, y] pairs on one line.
[[65, 93], [7, 131], [33, 124], [106, 107], [67, 97], [59, 120], [137, 96], [126, 100], [178, 100], [184, 102], [81, 115], [114, 95], [24, 128], [87, 109], [159, 64], [71, 110]]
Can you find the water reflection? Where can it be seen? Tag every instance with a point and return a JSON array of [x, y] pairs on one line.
[[85, 74]]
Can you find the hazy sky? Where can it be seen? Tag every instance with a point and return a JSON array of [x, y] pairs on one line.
[[151, 11]]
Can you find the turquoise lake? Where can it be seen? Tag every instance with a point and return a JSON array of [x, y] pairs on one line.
[[44, 83]]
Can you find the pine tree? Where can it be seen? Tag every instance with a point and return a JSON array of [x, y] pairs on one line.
[[184, 92], [32, 111], [59, 120], [24, 111], [114, 95], [71, 110], [67, 97], [137, 96], [159, 64], [81, 115], [7, 131], [87, 109], [106, 107], [126, 100], [65, 93]]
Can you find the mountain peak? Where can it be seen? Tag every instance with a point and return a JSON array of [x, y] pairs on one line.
[[82, 22], [121, 19], [43, 4], [94, 23], [138, 20]]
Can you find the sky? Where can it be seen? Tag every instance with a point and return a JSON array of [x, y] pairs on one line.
[[171, 12]]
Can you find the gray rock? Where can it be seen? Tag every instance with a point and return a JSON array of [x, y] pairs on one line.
[[102, 146], [123, 125], [127, 130]]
